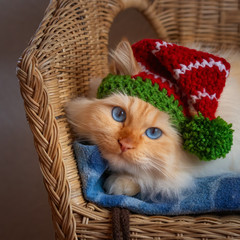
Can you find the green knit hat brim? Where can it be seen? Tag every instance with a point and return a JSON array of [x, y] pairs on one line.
[[146, 91], [207, 139]]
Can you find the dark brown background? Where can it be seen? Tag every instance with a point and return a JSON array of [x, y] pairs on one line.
[[25, 213]]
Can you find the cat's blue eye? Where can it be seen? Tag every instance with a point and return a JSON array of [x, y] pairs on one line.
[[153, 133], [118, 114]]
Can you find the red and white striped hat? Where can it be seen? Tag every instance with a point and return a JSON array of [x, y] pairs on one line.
[[195, 78]]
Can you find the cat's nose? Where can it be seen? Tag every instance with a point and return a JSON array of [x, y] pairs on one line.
[[125, 144]]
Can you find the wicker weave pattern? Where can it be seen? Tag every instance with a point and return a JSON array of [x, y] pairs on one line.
[[69, 48]]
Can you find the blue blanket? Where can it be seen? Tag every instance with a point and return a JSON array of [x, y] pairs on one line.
[[211, 194]]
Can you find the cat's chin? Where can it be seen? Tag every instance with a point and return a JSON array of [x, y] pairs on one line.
[[120, 162]]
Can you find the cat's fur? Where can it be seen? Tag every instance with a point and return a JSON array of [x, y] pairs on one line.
[[151, 166]]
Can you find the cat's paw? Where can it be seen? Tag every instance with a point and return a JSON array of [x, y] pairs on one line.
[[121, 185]]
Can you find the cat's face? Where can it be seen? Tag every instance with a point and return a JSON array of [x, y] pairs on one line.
[[131, 134]]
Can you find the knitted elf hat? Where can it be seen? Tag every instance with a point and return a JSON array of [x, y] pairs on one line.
[[178, 80]]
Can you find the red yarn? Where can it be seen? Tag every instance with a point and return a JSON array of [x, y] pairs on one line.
[[193, 77]]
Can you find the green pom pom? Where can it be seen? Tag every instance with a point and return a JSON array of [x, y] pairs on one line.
[[208, 139]]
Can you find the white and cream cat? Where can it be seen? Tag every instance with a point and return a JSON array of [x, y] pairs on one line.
[[137, 162]]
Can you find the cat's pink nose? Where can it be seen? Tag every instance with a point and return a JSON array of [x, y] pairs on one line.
[[125, 144]]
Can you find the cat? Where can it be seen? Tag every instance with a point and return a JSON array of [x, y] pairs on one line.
[[138, 163]]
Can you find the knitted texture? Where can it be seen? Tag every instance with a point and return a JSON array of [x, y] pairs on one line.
[[208, 139], [179, 80], [196, 78]]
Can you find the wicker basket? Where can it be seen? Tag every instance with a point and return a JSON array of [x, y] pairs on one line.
[[70, 45]]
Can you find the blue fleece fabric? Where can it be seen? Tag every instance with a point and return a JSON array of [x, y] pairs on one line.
[[211, 194]]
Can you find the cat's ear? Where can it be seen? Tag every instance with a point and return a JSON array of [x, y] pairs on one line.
[[123, 61]]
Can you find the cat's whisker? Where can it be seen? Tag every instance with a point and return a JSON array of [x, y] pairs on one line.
[[163, 163], [161, 170], [161, 167]]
